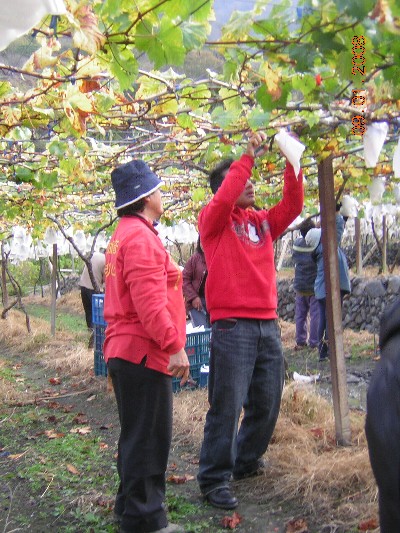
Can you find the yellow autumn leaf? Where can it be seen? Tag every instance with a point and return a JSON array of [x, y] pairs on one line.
[[77, 120], [87, 36], [11, 115], [81, 430], [16, 456], [272, 81], [78, 99], [51, 434], [356, 172], [43, 57], [73, 470]]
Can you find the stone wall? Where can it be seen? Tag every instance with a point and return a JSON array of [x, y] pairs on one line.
[[362, 309]]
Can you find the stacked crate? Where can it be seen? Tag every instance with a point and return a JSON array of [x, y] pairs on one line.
[[99, 327], [198, 352], [197, 348]]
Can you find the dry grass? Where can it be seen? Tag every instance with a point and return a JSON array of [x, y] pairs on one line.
[[62, 354], [350, 337], [304, 463]]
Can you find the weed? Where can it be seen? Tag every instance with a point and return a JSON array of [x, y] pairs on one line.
[[64, 321], [7, 374], [180, 510], [179, 507]]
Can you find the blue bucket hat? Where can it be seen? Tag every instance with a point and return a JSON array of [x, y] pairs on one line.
[[133, 181]]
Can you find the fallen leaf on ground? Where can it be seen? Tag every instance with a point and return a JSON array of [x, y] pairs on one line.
[[80, 419], [55, 381], [179, 479], [299, 525], [73, 470], [368, 525], [48, 392], [81, 431], [230, 522], [51, 434], [16, 456], [317, 432]]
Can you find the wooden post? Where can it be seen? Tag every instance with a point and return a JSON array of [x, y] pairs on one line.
[[54, 291], [384, 245], [333, 302], [359, 264]]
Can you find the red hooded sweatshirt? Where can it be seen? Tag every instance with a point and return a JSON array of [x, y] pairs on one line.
[[143, 305], [238, 245]]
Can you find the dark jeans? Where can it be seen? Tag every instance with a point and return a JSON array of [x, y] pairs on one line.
[[306, 306], [144, 400], [322, 330], [246, 371], [322, 327], [86, 296]]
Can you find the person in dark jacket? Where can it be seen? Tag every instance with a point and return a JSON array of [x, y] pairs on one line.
[[305, 271], [313, 239], [383, 420], [194, 281]]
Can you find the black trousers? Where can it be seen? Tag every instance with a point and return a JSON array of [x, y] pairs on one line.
[[86, 296], [382, 428], [144, 400]]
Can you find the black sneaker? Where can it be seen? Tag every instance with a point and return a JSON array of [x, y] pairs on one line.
[[222, 499]]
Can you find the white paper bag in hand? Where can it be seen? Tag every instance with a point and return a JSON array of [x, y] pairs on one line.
[[373, 140], [291, 148]]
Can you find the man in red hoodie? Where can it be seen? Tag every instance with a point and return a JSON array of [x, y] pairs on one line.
[[246, 363]]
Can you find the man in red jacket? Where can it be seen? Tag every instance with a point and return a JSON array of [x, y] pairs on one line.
[[246, 363]]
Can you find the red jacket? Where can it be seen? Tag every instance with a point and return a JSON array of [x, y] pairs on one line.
[[238, 245], [143, 304]]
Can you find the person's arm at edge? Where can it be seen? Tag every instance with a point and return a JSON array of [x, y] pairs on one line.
[[290, 206], [219, 208]]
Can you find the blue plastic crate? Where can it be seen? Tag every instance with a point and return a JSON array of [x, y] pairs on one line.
[[197, 348], [99, 336], [100, 366], [98, 310], [198, 351]]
